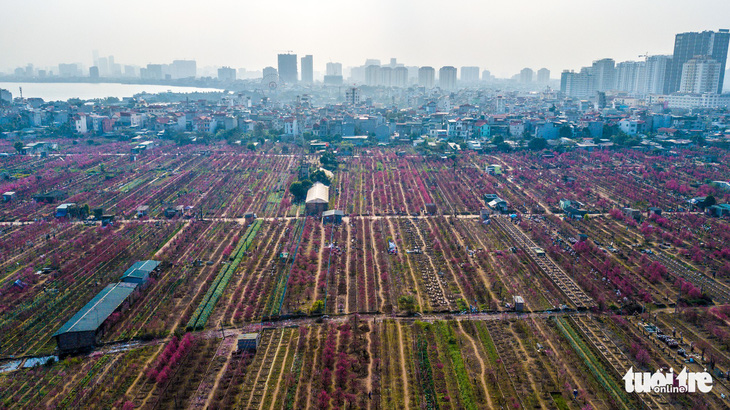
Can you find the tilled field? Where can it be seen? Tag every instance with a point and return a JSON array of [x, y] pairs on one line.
[[408, 302]]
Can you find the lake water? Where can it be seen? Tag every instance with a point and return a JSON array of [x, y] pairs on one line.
[[88, 91]]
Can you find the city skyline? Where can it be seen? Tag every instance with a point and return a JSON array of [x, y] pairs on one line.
[[502, 47]]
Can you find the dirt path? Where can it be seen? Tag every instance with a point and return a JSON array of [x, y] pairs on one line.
[[176, 308], [529, 363], [378, 269], [267, 236], [371, 194], [348, 248], [402, 360], [402, 198], [275, 339], [369, 379], [361, 234], [449, 266], [577, 380], [361, 198], [320, 261], [433, 265], [207, 389], [480, 269], [199, 289], [482, 365], [418, 190], [141, 378], [409, 266], [316, 354], [290, 350], [169, 241]]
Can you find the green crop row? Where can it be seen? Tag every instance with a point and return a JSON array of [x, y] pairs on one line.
[[448, 337], [592, 362], [273, 306], [67, 401], [275, 197], [424, 366], [205, 308]]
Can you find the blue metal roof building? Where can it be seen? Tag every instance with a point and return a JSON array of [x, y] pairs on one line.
[[140, 271], [81, 331]]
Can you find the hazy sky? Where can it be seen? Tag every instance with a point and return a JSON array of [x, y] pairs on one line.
[[500, 35]]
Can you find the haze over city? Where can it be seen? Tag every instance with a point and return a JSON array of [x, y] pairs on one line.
[[502, 36]]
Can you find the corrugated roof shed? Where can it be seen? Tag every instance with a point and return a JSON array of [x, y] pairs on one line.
[[248, 341], [91, 316], [140, 270], [333, 212], [319, 193]]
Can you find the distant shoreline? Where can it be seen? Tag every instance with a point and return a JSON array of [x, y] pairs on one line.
[[197, 83], [63, 91]]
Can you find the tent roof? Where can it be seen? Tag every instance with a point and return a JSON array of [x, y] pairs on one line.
[[318, 193]]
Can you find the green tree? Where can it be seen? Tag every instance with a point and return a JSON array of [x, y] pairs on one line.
[[320, 176], [258, 129], [328, 161], [63, 130], [169, 134], [299, 189], [454, 160], [317, 307], [566, 131], [699, 140], [610, 129], [407, 303], [537, 144], [709, 201], [84, 211], [504, 147], [620, 138], [347, 147], [18, 146]]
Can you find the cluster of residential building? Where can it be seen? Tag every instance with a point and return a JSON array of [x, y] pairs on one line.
[[290, 70], [693, 76], [468, 118]]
